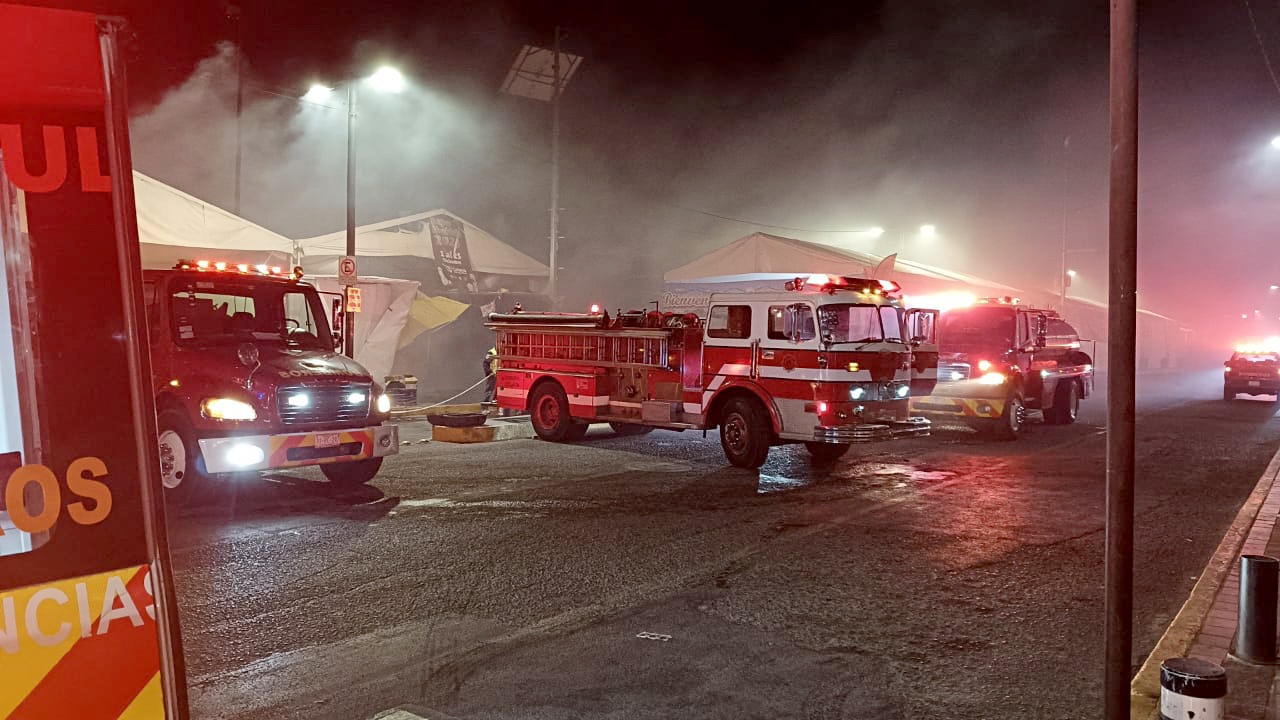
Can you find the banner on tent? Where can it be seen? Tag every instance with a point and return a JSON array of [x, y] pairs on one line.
[[449, 245]]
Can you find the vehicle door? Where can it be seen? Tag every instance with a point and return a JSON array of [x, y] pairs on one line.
[[731, 348], [922, 332], [1030, 343]]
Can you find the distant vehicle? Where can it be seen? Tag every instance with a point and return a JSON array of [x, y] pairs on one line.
[[997, 359], [823, 361], [1251, 372], [247, 379]]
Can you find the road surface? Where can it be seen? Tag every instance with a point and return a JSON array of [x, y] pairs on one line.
[[940, 577]]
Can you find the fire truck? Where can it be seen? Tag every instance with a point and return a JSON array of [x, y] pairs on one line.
[[998, 359], [823, 361], [1252, 370], [247, 379]]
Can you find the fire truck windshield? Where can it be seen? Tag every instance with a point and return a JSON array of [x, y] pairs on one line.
[[977, 328], [214, 313], [849, 323]]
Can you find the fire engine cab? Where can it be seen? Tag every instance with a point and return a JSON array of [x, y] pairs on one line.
[[999, 358], [247, 379], [823, 361], [1252, 370]]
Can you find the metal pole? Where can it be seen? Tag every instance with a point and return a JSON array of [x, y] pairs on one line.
[[555, 165], [349, 324], [235, 13], [1062, 277], [1121, 352], [1259, 589]]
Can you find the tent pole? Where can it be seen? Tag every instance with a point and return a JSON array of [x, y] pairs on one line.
[[555, 165]]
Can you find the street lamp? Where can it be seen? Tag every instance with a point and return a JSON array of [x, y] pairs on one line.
[[385, 79], [1275, 142], [928, 231]]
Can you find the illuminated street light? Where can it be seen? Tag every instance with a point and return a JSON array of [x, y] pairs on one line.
[[1071, 273], [385, 79], [928, 231], [318, 94], [1275, 142], [1275, 287]]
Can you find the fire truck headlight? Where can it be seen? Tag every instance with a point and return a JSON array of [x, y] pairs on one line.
[[903, 391], [857, 393], [300, 400], [992, 378], [245, 455], [384, 403], [228, 409], [957, 375], [984, 365]]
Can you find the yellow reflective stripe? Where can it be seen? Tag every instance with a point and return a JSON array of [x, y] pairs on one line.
[[149, 705]]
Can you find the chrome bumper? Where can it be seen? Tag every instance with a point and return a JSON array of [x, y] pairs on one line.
[[872, 432]]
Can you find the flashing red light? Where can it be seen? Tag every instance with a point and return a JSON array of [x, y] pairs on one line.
[[595, 309], [202, 264], [819, 280], [822, 407], [275, 270], [242, 267]]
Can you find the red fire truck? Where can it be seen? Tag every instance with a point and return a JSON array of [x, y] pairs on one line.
[[999, 359], [824, 361], [247, 379]]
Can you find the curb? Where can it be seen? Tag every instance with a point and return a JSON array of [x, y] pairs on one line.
[[1144, 690]]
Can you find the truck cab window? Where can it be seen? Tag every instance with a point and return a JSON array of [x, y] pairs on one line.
[[729, 322]]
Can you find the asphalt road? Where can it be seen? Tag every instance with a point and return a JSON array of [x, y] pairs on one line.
[[942, 577]]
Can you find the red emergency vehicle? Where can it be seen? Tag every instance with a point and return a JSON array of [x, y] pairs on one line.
[[824, 361], [247, 379], [1252, 370]]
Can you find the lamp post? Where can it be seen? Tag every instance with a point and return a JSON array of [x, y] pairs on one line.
[[385, 79]]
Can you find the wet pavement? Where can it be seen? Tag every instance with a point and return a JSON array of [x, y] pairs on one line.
[[643, 577]]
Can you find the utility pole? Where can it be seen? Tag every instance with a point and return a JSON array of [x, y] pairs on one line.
[[1062, 276], [555, 165], [1121, 357], [349, 322], [234, 14]]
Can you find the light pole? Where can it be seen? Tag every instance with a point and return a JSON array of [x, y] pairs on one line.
[[386, 79]]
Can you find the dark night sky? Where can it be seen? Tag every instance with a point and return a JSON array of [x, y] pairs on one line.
[[811, 115]]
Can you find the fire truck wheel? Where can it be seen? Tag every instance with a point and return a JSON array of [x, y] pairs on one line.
[[1009, 425], [351, 474], [627, 429], [1228, 394], [744, 433], [549, 412], [825, 452], [180, 460], [1066, 404]]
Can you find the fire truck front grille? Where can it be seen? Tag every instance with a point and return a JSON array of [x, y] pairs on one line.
[[953, 371], [300, 405]]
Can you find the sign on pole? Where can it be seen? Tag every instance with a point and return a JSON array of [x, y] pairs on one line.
[[353, 299], [88, 623], [347, 270]]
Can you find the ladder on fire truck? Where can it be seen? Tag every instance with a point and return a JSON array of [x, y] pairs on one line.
[[612, 348]]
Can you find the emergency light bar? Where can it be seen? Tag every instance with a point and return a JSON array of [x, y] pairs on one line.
[[1006, 300], [830, 284], [219, 266]]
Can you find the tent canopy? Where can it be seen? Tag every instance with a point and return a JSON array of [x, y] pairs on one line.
[[411, 236], [173, 225], [762, 256]]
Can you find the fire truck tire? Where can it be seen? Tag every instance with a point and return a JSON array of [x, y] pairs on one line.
[[825, 452], [628, 429], [1066, 404], [181, 467], [745, 433], [550, 415], [351, 474], [1010, 423], [1228, 394]]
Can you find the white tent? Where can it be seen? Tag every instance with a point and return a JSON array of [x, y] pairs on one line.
[[411, 236], [385, 304], [173, 225], [760, 260]]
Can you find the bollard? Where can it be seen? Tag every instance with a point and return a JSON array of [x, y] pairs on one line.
[[1192, 688], [1256, 631]]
